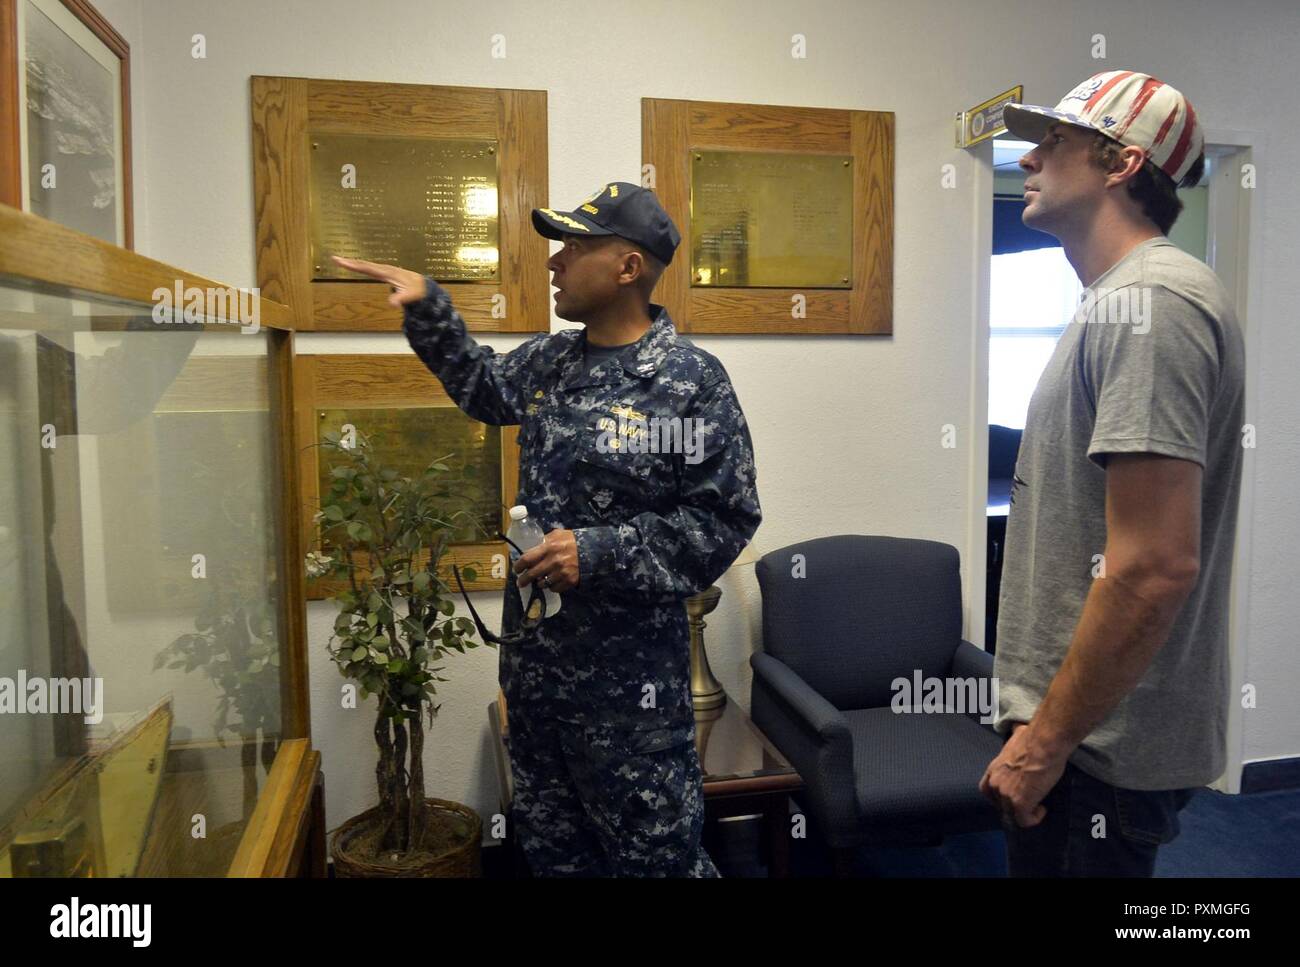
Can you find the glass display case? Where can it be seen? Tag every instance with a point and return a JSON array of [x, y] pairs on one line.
[[152, 676]]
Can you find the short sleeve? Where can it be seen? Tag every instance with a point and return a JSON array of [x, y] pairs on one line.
[[1151, 362]]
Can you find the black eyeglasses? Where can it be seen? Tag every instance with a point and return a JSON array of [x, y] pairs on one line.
[[532, 615]]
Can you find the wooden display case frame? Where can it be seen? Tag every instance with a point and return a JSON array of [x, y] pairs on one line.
[[285, 836]]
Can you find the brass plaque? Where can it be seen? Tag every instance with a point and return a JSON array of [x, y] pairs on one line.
[[408, 439], [426, 204], [771, 219]]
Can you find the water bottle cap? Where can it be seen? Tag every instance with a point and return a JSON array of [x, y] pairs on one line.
[[518, 512]]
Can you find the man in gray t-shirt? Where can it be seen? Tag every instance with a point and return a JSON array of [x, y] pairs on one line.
[[1112, 657]]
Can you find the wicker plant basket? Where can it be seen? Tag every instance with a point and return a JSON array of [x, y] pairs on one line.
[[462, 824]]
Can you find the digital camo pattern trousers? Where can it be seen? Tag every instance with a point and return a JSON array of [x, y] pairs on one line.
[[594, 801]]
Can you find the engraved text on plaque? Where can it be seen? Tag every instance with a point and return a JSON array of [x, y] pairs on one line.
[[771, 219], [426, 204]]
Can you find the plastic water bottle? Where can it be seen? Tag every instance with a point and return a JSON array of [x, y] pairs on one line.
[[526, 533]]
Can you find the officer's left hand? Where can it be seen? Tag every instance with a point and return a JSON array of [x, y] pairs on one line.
[[554, 562]]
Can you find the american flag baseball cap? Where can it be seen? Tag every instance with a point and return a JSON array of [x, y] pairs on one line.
[[1128, 107]]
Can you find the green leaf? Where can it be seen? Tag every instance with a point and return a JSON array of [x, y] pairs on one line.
[[333, 512], [359, 653]]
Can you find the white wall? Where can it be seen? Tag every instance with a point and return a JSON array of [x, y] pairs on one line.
[[847, 430]]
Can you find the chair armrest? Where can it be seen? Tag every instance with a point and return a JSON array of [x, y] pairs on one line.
[[800, 699], [969, 661], [814, 736]]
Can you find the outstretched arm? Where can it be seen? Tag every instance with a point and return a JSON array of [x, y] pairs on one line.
[[489, 387]]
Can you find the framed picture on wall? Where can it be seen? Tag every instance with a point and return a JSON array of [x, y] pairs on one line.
[[65, 133]]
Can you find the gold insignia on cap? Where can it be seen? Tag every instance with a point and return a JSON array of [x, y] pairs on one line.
[[564, 219]]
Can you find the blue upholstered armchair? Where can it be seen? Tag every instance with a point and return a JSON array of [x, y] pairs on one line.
[[845, 618]]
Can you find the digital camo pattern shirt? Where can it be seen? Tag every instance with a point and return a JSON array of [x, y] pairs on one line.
[[647, 458]]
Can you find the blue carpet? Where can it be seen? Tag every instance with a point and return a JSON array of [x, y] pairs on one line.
[[1252, 835], [1246, 835]]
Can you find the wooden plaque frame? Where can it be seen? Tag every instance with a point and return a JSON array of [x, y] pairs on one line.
[[286, 109], [672, 129], [335, 381]]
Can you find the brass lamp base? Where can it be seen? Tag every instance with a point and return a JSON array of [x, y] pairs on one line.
[[706, 691]]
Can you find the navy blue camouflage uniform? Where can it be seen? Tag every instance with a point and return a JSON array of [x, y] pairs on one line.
[[602, 731]]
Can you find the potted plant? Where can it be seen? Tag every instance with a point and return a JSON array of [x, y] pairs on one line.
[[387, 534]]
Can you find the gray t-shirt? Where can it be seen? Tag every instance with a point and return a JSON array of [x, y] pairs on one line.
[[1153, 362]]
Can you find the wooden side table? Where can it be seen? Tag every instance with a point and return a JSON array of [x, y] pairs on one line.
[[744, 774]]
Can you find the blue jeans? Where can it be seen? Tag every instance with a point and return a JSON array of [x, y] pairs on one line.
[[1095, 829]]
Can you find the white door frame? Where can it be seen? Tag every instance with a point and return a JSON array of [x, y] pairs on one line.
[[981, 172], [1232, 236]]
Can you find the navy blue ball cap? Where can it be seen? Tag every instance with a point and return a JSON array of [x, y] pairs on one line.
[[619, 208]]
